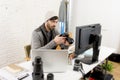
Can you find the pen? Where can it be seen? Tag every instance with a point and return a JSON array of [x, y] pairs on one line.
[[22, 77]]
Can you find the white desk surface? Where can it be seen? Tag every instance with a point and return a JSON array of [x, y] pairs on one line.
[[68, 75]]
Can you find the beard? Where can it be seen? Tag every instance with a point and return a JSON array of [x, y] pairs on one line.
[[50, 27]]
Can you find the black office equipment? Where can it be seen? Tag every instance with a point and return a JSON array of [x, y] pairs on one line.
[[38, 69], [78, 66], [88, 36], [69, 39], [115, 57], [23, 76], [99, 74], [50, 76]]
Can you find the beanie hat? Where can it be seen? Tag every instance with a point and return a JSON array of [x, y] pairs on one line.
[[49, 15]]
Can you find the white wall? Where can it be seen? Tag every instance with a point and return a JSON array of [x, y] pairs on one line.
[[18, 18], [105, 12]]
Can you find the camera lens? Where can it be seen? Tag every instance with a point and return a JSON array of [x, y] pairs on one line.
[[70, 40], [77, 61], [37, 73], [50, 76], [37, 59]]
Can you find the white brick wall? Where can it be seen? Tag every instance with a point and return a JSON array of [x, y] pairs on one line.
[[18, 18]]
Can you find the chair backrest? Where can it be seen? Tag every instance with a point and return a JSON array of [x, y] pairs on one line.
[[27, 49]]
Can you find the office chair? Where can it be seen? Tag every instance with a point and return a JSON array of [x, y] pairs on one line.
[[27, 49]]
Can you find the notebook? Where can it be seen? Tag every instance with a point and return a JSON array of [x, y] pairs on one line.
[[53, 60]]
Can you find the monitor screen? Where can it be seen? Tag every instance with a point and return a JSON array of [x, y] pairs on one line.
[[86, 37]]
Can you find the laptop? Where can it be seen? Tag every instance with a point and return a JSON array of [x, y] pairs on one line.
[[55, 61]]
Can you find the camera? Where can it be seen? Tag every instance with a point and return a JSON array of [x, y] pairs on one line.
[[37, 69], [70, 40], [78, 66]]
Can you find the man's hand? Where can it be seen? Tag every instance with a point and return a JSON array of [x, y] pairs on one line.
[[71, 56], [66, 43], [60, 40]]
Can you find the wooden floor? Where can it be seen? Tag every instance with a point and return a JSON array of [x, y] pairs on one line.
[[116, 70]]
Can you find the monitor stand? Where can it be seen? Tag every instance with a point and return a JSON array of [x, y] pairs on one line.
[[94, 57], [86, 60]]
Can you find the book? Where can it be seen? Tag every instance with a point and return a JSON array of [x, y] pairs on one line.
[[14, 68]]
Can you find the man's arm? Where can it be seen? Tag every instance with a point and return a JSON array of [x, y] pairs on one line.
[[37, 42], [49, 45]]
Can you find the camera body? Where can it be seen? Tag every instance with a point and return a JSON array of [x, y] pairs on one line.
[[70, 40], [37, 69]]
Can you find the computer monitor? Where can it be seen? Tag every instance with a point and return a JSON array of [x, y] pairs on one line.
[[88, 36]]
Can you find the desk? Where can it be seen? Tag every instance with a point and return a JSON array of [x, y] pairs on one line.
[[69, 74]]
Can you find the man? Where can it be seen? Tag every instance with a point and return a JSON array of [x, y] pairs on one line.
[[46, 36]]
